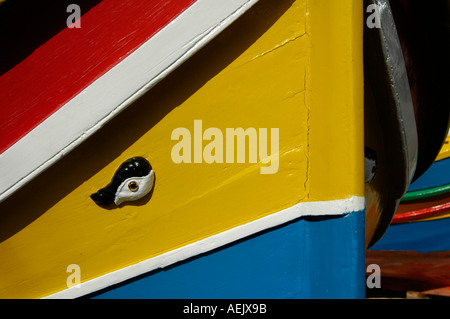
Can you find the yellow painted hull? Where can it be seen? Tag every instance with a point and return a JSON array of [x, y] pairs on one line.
[[297, 67], [445, 150]]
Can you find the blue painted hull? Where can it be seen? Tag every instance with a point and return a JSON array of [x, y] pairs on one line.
[[421, 236], [437, 175], [425, 236], [307, 258]]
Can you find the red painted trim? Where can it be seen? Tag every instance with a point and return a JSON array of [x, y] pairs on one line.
[[34, 86], [420, 214]]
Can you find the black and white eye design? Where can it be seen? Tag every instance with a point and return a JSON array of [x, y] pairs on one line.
[[133, 186], [370, 164], [133, 180]]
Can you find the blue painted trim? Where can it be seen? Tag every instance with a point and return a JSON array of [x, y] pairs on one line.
[[437, 175], [426, 236], [307, 258]]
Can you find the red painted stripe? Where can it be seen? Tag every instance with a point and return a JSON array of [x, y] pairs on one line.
[[46, 64], [422, 213]]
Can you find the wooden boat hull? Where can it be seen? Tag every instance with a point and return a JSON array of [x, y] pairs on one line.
[[276, 264], [414, 251], [427, 199], [274, 74], [389, 120]]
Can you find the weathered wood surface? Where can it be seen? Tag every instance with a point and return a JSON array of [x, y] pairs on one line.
[[412, 271]]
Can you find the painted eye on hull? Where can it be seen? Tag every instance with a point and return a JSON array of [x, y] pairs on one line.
[[133, 180], [133, 186]]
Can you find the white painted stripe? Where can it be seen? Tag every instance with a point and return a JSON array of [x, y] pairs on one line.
[[119, 87], [322, 208]]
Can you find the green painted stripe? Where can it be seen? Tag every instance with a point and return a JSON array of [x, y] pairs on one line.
[[425, 193]]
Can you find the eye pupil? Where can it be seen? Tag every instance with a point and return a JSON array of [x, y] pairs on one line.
[[133, 186]]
